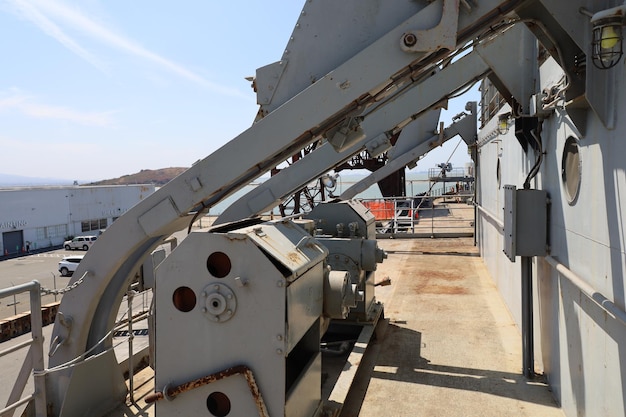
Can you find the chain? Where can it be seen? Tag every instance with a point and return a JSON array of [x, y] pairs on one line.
[[61, 291]]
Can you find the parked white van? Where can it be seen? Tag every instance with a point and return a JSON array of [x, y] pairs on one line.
[[80, 242]]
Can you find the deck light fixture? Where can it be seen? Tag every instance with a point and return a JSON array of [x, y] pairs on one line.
[[607, 36], [329, 181], [503, 123]]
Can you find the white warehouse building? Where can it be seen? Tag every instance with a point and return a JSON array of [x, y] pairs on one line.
[[42, 217]]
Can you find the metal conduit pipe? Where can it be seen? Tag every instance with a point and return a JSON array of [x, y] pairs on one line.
[[528, 344], [604, 303], [487, 213]]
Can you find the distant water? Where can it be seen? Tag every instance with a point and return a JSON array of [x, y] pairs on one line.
[[416, 183]]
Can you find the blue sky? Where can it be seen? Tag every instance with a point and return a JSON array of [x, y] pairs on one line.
[[97, 89]]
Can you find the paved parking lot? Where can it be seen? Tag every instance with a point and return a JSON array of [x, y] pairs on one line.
[[42, 267]]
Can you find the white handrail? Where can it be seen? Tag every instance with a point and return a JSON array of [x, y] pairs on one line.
[[35, 354], [492, 216], [597, 297]]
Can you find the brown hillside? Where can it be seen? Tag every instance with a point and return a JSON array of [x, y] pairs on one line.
[[157, 177]]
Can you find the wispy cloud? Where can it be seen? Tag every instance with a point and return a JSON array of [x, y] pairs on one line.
[[29, 106], [50, 15], [27, 10]]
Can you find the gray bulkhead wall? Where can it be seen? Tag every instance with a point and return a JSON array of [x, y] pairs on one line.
[[581, 347], [588, 235]]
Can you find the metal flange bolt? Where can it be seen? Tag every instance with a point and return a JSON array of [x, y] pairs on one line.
[[220, 303], [409, 40]]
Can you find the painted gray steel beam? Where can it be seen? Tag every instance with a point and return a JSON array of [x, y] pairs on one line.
[[89, 310], [421, 127], [273, 191], [465, 127], [400, 110], [519, 72], [316, 47]]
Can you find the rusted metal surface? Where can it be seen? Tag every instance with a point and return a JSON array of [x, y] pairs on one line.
[[154, 397], [171, 392], [256, 394]]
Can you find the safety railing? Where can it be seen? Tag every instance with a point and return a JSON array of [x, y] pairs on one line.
[[138, 308], [423, 216], [126, 322], [34, 362], [437, 174]]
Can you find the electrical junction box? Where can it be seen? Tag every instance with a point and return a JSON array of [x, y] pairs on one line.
[[525, 222]]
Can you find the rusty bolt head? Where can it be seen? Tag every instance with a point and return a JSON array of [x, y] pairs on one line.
[[409, 40]]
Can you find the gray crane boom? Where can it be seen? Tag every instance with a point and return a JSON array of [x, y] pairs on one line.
[[399, 111], [81, 353]]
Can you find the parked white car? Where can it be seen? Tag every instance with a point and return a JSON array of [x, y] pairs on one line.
[[80, 242], [68, 265]]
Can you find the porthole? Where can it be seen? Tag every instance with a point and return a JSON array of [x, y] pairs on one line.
[[571, 169]]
